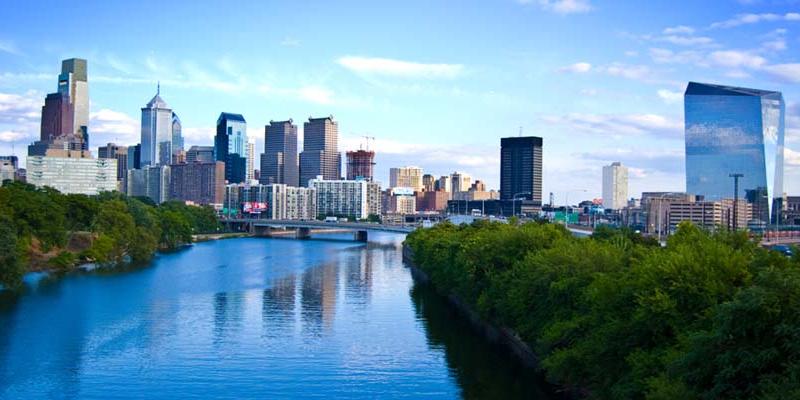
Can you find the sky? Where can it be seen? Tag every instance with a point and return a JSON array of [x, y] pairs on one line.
[[436, 83]]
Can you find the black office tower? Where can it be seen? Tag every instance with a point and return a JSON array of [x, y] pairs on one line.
[[521, 169]]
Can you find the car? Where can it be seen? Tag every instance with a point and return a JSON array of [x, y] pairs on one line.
[[782, 248]]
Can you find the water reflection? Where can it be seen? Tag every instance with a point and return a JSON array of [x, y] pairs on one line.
[[283, 319], [483, 370]]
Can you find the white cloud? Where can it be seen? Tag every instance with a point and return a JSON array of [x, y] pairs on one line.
[[736, 59], [21, 108], [665, 56], [746, 19], [618, 126], [670, 97], [399, 68], [562, 6], [678, 30], [635, 72], [687, 40], [15, 136], [114, 125], [9, 47], [578, 68], [785, 72]]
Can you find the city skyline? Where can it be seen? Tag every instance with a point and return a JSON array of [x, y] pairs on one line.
[[618, 102]]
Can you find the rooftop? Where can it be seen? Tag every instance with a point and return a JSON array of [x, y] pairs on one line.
[[696, 88]]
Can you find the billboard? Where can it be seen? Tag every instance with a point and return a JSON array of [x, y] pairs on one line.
[[253, 207]]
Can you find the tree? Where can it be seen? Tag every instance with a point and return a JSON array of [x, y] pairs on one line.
[[175, 229], [11, 267]]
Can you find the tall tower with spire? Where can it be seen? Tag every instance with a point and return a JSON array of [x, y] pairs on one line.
[[156, 132]]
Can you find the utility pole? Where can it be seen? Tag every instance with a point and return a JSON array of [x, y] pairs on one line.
[[735, 199]]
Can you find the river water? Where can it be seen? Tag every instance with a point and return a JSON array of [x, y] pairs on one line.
[[250, 318]]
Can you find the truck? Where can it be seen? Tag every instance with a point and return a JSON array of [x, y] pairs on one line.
[[331, 219]]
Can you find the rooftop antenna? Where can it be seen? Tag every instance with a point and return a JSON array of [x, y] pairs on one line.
[[520, 131], [158, 88]]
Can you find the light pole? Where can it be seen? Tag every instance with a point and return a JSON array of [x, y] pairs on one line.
[[514, 203]]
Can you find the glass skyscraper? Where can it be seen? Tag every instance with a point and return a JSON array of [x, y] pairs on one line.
[[230, 146], [731, 130], [156, 132]]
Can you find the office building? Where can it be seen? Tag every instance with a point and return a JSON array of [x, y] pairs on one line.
[[615, 186], [347, 198], [709, 214], [8, 169], [401, 201], [134, 157], [202, 154], [251, 160], [443, 184], [199, 183], [432, 200], [460, 182], [274, 201], [73, 175], [360, 165], [428, 183], [73, 82], [57, 115], [320, 154], [409, 177], [177, 134], [731, 130], [119, 153], [279, 161], [655, 209], [521, 168], [151, 181], [230, 146], [156, 132]]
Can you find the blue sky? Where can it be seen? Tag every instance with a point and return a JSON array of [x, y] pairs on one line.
[[437, 83]]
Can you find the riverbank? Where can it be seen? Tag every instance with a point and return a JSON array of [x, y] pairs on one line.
[[505, 337]]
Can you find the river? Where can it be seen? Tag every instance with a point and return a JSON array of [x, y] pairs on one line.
[[250, 318]]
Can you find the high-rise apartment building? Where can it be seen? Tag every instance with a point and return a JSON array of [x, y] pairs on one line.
[[119, 153], [408, 177], [282, 201], [444, 184], [8, 168], [521, 168], [358, 199], [251, 160], [151, 181], [360, 165], [732, 130], [73, 175], [615, 186], [204, 154], [320, 154], [230, 146], [279, 161], [156, 137], [200, 183]]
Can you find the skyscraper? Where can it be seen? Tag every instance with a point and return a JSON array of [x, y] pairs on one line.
[[615, 186], [134, 157], [73, 81], [230, 146], [360, 164], [320, 154], [251, 159], [279, 161], [119, 153], [57, 117], [731, 130], [521, 168], [461, 182], [203, 154], [177, 134], [156, 132], [409, 177]]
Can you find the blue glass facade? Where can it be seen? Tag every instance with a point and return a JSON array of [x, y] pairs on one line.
[[230, 146], [733, 130]]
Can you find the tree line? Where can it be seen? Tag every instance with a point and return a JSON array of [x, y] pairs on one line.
[[617, 316], [114, 228]]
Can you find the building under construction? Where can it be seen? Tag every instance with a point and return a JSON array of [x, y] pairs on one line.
[[360, 164]]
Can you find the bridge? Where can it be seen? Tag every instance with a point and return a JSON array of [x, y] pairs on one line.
[[303, 229]]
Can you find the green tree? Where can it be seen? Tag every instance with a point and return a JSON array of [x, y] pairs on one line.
[[11, 267]]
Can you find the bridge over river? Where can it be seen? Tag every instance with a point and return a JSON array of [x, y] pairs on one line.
[[304, 229]]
